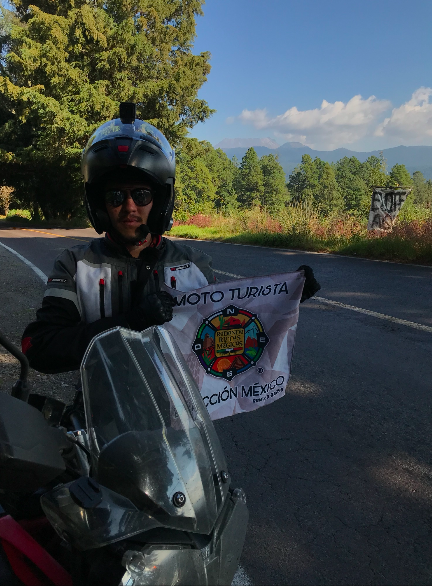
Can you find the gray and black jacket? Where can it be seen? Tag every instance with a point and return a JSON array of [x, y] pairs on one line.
[[95, 287]]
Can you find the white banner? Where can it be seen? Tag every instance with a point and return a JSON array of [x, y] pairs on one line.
[[238, 339]]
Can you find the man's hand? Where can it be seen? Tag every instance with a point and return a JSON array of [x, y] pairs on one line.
[[154, 310], [311, 285]]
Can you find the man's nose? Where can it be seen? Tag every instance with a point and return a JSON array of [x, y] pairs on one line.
[[129, 203]]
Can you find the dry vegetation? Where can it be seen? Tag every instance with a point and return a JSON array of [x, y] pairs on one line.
[[302, 227]]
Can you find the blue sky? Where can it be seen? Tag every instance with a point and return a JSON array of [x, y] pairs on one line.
[[274, 62]]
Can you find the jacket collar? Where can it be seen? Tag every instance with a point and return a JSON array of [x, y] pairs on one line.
[[157, 243]]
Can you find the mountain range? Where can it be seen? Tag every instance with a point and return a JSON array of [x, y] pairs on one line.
[[415, 158], [232, 143]]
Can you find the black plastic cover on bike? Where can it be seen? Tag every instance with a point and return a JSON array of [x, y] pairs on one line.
[[29, 447]]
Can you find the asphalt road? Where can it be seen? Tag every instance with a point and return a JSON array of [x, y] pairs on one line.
[[339, 472]]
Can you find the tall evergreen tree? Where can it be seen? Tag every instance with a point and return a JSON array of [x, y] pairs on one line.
[[195, 188], [328, 197], [373, 173], [249, 180], [355, 192], [303, 183], [275, 192], [422, 190], [399, 175], [223, 171], [68, 63], [296, 184]]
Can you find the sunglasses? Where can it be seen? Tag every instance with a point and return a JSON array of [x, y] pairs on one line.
[[116, 197]]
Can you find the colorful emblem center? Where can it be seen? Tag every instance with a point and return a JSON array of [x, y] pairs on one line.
[[229, 342]]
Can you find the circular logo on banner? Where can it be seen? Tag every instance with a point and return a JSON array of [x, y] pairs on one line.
[[229, 342]]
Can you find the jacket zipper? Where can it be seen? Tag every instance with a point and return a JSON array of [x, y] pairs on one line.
[[102, 298], [156, 280], [120, 290]]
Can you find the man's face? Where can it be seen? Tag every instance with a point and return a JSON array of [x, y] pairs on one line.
[[128, 216]]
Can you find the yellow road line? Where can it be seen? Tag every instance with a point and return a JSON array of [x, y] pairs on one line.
[[52, 234]]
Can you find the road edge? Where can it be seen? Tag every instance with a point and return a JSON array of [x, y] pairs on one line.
[[34, 268]]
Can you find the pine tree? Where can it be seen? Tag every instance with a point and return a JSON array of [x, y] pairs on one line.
[[373, 174], [275, 192], [223, 171], [303, 183], [422, 190], [314, 181], [249, 180], [355, 192], [66, 66], [328, 197], [399, 176], [195, 189]]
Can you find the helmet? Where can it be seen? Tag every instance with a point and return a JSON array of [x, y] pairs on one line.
[[126, 144]]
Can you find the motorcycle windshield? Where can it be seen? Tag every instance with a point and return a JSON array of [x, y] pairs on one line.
[[151, 438]]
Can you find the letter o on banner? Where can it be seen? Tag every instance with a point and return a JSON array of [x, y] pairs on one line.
[[198, 297], [212, 296]]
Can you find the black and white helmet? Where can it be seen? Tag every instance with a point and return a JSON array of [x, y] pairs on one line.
[[126, 144]]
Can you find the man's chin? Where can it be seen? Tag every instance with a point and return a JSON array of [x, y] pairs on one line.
[[129, 235]]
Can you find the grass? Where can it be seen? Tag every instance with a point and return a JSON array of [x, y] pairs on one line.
[[21, 221], [303, 229]]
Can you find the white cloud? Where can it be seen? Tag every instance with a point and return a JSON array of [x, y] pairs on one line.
[[411, 122], [328, 126]]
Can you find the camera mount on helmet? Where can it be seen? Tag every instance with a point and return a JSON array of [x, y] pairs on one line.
[[129, 144]]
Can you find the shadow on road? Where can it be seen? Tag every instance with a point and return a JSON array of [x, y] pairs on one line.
[[338, 473]]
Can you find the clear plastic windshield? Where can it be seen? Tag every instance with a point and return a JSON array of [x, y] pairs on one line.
[[151, 438]]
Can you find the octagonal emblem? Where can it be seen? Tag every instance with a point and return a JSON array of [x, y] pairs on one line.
[[229, 342]]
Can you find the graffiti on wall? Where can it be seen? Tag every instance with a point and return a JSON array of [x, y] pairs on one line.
[[386, 204]]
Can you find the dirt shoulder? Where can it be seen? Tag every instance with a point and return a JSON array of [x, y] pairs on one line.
[[21, 293]]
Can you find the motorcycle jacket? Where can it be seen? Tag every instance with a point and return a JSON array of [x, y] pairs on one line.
[[96, 286]]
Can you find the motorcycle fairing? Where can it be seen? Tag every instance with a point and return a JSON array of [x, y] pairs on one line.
[[115, 518], [214, 564], [151, 438]]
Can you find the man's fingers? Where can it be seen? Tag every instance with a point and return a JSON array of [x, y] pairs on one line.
[[311, 285], [166, 298]]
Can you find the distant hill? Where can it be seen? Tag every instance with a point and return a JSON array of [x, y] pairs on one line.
[[415, 158], [245, 143]]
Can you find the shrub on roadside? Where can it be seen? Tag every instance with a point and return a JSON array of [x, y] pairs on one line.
[[18, 216], [5, 199], [301, 226]]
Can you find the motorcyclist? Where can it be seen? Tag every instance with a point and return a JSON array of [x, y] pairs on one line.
[[129, 173]]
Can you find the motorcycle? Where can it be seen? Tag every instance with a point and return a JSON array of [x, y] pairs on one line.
[[128, 486]]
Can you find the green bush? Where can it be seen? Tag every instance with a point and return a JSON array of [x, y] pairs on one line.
[[18, 216]]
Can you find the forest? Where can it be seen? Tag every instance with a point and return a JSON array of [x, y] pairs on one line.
[[65, 65], [209, 181]]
